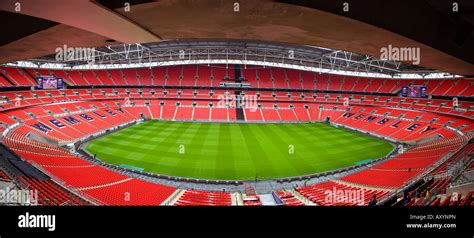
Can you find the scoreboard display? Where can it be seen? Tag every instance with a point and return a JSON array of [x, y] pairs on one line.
[[50, 83], [414, 92]]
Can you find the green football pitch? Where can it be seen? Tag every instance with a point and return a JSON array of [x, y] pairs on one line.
[[222, 151]]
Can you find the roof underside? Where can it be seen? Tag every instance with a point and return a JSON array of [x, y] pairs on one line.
[[269, 28], [231, 50]]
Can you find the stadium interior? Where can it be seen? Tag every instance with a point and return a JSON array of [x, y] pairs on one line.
[[235, 67]]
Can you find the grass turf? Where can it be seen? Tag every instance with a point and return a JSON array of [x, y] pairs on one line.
[[221, 151]]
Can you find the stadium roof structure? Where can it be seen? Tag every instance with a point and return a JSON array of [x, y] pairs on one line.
[[244, 52], [42, 26]]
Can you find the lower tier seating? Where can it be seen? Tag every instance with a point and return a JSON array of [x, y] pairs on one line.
[[202, 198], [332, 193], [50, 193], [107, 187], [130, 192], [289, 199], [382, 178], [84, 176]]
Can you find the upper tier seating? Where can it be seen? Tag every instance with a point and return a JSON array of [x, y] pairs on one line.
[[258, 77], [15, 77]]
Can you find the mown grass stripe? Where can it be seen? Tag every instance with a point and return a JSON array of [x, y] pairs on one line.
[[236, 151]]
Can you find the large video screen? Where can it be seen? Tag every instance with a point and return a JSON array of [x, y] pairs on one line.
[[50, 83], [414, 92]]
